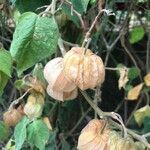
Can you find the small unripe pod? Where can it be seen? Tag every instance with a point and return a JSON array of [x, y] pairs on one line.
[[34, 106]]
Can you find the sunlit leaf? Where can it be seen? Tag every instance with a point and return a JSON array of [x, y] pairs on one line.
[[133, 73], [134, 93], [141, 113], [5, 68], [20, 132], [147, 79], [136, 34], [38, 134], [10, 145], [3, 131]]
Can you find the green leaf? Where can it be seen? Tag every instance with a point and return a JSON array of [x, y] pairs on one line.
[[141, 113], [4, 131], [5, 62], [74, 18], [133, 73], [146, 128], [20, 84], [10, 145], [3, 81], [20, 132], [30, 5], [38, 134], [92, 2], [65, 145], [80, 5], [34, 39], [38, 72], [128, 87], [136, 35], [85, 4], [52, 140], [119, 66], [5, 68], [146, 122]]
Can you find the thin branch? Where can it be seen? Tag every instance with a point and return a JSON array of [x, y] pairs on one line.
[[15, 102], [70, 44], [113, 69], [61, 47], [76, 13], [91, 28], [122, 39]]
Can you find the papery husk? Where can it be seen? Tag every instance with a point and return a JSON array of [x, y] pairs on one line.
[[86, 70], [93, 136], [34, 106], [134, 93], [116, 142], [60, 95], [125, 144], [53, 73], [12, 117], [113, 139], [140, 146]]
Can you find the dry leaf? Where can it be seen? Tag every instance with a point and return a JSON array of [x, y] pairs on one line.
[[147, 79], [134, 93], [47, 122], [141, 113], [123, 77]]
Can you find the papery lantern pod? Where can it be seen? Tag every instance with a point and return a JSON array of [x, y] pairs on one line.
[[53, 73], [34, 106], [140, 146], [12, 117], [125, 144], [113, 139], [86, 70], [60, 95], [94, 136], [116, 142]]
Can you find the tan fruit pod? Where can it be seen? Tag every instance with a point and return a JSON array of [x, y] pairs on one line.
[[86, 70], [60, 95], [116, 142], [34, 106], [93, 136], [53, 73], [12, 117], [125, 143]]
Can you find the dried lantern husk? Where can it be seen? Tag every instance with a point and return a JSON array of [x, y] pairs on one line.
[[60, 95], [12, 117], [94, 136], [53, 73], [126, 144], [116, 142], [34, 106], [86, 70]]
